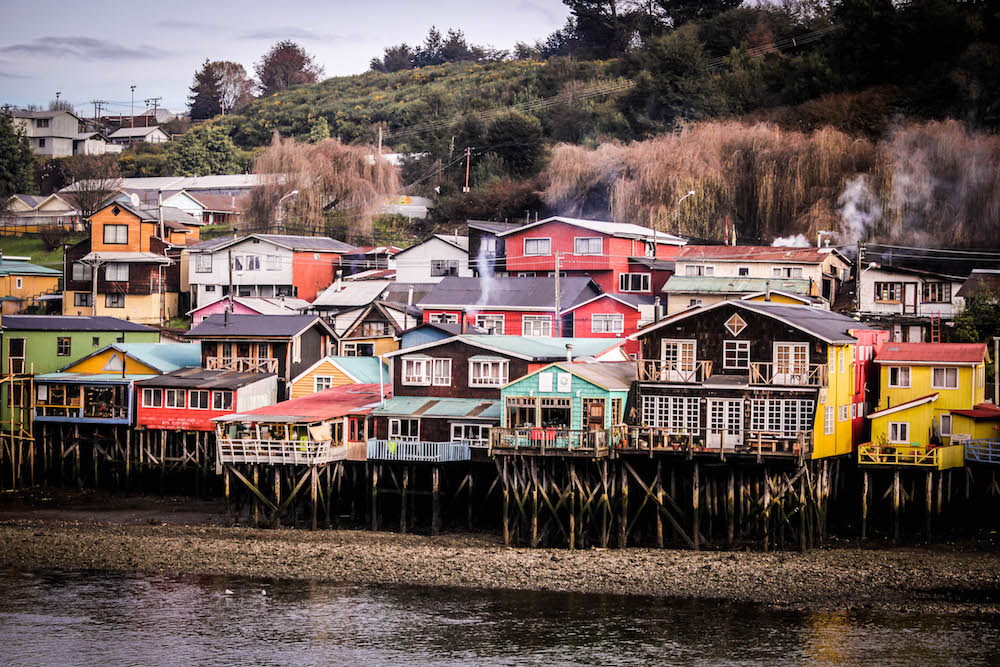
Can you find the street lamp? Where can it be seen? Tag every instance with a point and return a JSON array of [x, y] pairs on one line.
[[281, 210], [677, 215]]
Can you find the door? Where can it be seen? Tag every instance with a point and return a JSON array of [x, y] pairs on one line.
[[910, 298], [678, 361], [791, 363], [725, 423], [15, 355]]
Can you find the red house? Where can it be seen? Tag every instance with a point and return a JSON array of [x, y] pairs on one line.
[[189, 398], [600, 250], [866, 380], [612, 316]]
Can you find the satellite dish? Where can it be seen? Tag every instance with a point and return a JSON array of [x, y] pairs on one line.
[[135, 199]]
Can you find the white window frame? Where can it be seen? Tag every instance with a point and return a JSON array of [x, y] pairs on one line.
[[737, 347], [589, 250], [174, 393], [442, 318], [793, 368], [441, 372], [944, 369], [194, 404], [840, 360], [18, 282], [538, 240], [116, 273], [828, 422], [771, 415], [149, 396], [699, 270], [530, 322], [273, 262], [419, 373], [486, 380], [678, 414], [482, 440], [319, 380], [942, 419], [218, 392], [902, 435], [492, 320], [625, 282], [203, 262], [844, 412], [394, 425], [899, 373], [786, 272], [611, 323]]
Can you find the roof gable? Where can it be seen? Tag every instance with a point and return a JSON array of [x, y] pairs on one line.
[[509, 293], [620, 229], [931, 353]]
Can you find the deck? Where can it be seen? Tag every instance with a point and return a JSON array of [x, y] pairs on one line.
[[912, 456], [983, 451], [540, 441], [417, 451], [760, 444], [280, 452], [241, 364]]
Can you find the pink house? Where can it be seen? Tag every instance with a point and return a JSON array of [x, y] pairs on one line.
[[249, 305]]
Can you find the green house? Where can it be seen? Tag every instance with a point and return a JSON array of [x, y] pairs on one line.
[[565, 402]]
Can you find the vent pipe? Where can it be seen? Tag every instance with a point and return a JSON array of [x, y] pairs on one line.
[[409, 296], [569, 352], [226, 317], [767, 291], [657, 310]]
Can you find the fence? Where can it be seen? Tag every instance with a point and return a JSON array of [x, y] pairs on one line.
[[983, 451], [278, 452], [912, 456], [417, 451]]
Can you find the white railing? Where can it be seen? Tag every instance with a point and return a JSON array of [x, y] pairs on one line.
[[656, 370], [788, 375], [242, 364], [983, 451], [277, 452], [417, 450]]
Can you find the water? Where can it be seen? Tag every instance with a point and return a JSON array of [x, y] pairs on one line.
[[113, 619]]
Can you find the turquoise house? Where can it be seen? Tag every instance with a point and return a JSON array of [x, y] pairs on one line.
[[565, 405]]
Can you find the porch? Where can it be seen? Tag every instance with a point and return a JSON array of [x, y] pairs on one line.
[[720, 443], [242, 364], [280, 452], [417, 451], [543, 441], [912, 456], [674, 370], [788, 375], [105, 403]]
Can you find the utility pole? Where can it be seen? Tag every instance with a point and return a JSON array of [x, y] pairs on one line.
[[558, 322], [155, 101], [133, 104], [58, 93], [230, 280], [468, 159], [857, 277]]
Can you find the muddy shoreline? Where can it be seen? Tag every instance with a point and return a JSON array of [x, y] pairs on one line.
[[176, 536]]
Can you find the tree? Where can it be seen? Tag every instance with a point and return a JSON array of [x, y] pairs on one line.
[[319, 131], [205, 100], [517, 139], [17, 162], [96, 179], [60, 105], [335, 183], [235, 87], [394, 59], [202, 151], [685, 11], [287, 64]]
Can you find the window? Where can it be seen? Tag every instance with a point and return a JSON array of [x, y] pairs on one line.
[[321, 382], [536, 325], [41, 122], [244, 290], [945, 426], [443, 318], [840, 360], [96, 342], [487, 322], [41, 142], [81, 271], [209, 288], [675, 413], [537, 246], [889, 292], [237, 262], [18, 282], [854, 411], [588, 246], [607, 323], [944, 378], [743, 271], [417, 371], [487, 372], [273, 262], [736, 354], [251, 263], [297, 350], [116, 273], [783, 417], [404, 429], [222, 400], [63, 346], [828, 423], [116, 234], [694, 303], [786, 272], [198, 400], [358, 349], [699, 270], [471, 434], [173, 398], [152, 398], [633, 282], [937, 292], [444, 267], [203, 262], [899, 433], [899, 377], [441, 374], [81, 299], [844, 412], [488, 246], [114, 301]]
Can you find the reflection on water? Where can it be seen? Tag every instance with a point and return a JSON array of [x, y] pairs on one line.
[[102, 618]]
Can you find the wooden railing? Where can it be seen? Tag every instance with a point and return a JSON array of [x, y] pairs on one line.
[[708, 441], [418, 451], [656, 370], [90, 411], [983, 451], [280, 452], [769, 373], [912, 456], [242, 364], [556, 441]]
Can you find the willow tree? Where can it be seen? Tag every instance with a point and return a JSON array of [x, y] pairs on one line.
[[337, 186]]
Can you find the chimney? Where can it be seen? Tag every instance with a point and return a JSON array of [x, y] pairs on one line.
[[657, 310], [767, 291], [465, 321], [409, 296], [569, 352], [226, 317]]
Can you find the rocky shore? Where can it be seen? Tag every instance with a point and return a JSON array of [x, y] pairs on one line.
[[939, 579]]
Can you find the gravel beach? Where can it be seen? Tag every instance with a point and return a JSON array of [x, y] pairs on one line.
[[165, 536]]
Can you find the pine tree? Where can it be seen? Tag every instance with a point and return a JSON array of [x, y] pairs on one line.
[[205, 100], [17, 162]]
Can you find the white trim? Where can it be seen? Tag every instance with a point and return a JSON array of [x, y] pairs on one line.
[[599, 253], [941, 419], [603, 296], [903, 406], [944, 386], [649, 277], [898, 440], [805, 301], [725, 359], [152, 392], [192, 406], [327, 359], [888, 379], [317, 378], [524, 247], [648, 234], [398, 420], [616, 318]]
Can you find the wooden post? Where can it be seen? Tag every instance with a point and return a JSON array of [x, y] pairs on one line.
[[313, 488], [623, 498], [534, 502], [803, 514], [731, 508], [254, 503], [572, 506], [695, 506], [128, 456], [225, 487], [468, 509], [766, 519], [864, 504], [506, 504], [374, 493], [163, 461], [929, 500], [277, 495], [895, 505], [659, 502], [435, 500], [402, 498]]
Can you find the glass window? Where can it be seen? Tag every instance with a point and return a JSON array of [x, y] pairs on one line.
[[222, 400], [116, 272], [537, 246], [937, 292], [899, 377], [607, 323], [945, 426], [899, 433], [588, 246], [441, 376], [699, 270], [273, 262], [488, 373], [81, 299], [444, 267], [404, 429], [536, 325], [416, 371], [743, 271], [828, 423], [173, 398], [96, 342], [633, 282], [443, 318], [889, 292], [82, 271], [487, 322], [152, 398], [321, 382], [786, 272], [471, 434], [944, 378], [199, 400], [203, 262], [736, 354], [114, 301], [116, 234], [63, 346]]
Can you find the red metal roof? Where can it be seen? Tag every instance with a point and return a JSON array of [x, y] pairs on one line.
[[981, 411], [351, 399], [751, 253], [949, 353]]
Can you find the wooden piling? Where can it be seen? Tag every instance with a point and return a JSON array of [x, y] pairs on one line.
[[864, 504], [623, 506], [766, 518], [731, 508], [929, 502], [659, 501], [313, 495], [277, 495], [374, 495], [225, 487], [696, 506], [405, 487], [895, 505], [254, 503], [435, 500]]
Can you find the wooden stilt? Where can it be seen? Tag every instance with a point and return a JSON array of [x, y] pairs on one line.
[[435, 500], [534, 502], [572, 505], [468, 509], [766, 518], [895, 505], [225, 487], [731, 508], [374, 495], [403, 498], [803, 514], [929, 503], [506, 503], [277, 496], [659, 500], [623, 507], [254, 504], [696, 506], [313, 493], [864, 504]]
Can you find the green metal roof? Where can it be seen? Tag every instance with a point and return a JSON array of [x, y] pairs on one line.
[[13, 267], [164, 357], [365, 369], [721, 285], [441, 408]]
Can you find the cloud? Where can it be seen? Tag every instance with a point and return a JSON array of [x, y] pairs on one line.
[[184, 25], [11, 75], [301, 33], [82, 48], [533, 8]]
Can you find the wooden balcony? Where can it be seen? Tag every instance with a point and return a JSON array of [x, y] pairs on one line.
[[280, 452], [242, 364], [543, 441], [90, 413], [785, 375], [912, 456], [656, 370], [417, 451], [983, 451], [702, 442]]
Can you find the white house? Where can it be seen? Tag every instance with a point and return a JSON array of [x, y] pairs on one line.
[[51, 133], [33, 212], [910, 301], [430, 261], [127, 136]]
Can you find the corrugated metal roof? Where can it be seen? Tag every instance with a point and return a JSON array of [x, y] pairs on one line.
[[501, 293], [536, 349], [751, 253], [612, 375], [13, 267], [441, 408], [296, 243], [126, 258], [199, 378], [264, 305], [721, 285], [365, 369], [490, 226], [252, 325], [824, 324], [981, 281], [349, 293], [70, 323], [986, 411], [164, 357], [352, 399], [622, 229], [134, 132], [92, 378], [950, 353]]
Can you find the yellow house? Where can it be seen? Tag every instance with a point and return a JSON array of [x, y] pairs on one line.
[[920, 385], [833, 431], [21, 283], [338, 371], [375, 331]]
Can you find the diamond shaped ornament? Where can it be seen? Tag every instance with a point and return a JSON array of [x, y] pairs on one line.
[[735, 324]]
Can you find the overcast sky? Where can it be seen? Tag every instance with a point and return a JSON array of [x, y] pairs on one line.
[[95, 49]]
